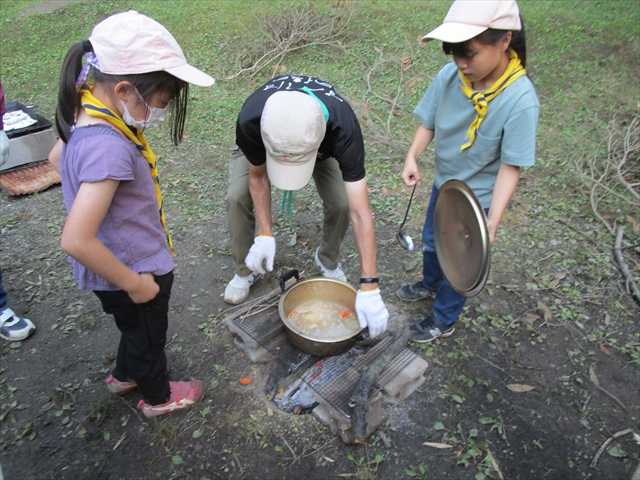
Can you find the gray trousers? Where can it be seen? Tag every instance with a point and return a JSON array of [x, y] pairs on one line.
[[242, 223]]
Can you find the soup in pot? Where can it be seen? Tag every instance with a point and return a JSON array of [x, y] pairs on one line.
[[323, 320]]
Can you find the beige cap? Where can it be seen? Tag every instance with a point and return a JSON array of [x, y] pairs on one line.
[[292, 127], [131, 43], [469, 18]]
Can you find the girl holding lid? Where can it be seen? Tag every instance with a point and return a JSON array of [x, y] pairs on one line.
[[115, 233], [482, 111]]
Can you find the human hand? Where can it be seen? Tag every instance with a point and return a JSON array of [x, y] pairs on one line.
[[371, 311], [146, 290], [262, 250], [4, 147], [410, 174]]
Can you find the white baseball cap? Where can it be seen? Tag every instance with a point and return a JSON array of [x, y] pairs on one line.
[[131, 43], [469, 18], [292, 127]]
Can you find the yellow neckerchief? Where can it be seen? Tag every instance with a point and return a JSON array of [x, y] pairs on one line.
[[480, 100], [95, 108]]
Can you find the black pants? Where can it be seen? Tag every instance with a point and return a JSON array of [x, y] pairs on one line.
[[143, 329]]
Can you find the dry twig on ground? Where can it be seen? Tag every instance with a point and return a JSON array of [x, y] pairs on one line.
[[613, 178], [286, 32]]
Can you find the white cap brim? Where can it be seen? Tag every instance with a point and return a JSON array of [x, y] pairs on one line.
[[452, 32], [291, 175], [191, 75]]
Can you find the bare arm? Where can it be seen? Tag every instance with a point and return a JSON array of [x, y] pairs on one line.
[[54, 155], [363, 229], [79, 239], [506, 184], [260, 188], [421, 140]]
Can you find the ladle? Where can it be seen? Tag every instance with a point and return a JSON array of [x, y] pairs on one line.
[[403, 237]]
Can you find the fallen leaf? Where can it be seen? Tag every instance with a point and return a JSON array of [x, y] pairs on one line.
[[370, 190], [516, 387], [377, 49], [385, 191], [405, 63], [175, 182], [411, 83], [245, 380], [293, 240], [437, 445], [605, 350], [529, 318], [607, 319], [633, 222], [616, 452], [544, 311], [593, 377]]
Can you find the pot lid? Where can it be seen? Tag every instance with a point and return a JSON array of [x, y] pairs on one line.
[[462, 239]]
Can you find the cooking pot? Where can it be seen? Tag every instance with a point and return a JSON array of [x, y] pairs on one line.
[[314, 290]]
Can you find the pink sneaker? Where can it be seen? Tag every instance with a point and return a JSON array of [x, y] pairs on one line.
[[119, 388], [183, 395]]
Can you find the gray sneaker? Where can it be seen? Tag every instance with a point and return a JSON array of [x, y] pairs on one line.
[[238, 288], [429, 329], [414, 292], [336, 273]]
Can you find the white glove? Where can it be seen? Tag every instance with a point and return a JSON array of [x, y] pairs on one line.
[[371, 311], [4, 147], [263, 249]]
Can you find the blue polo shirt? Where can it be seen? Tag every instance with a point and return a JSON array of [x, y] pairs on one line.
[[507, 133]]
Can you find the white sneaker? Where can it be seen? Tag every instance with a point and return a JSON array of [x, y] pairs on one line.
[[336, 274], [238, 289]]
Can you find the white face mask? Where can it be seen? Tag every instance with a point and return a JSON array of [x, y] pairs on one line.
[[156, 115]]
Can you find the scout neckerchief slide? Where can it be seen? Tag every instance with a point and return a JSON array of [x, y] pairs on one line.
[[514, 71], [95, 108]]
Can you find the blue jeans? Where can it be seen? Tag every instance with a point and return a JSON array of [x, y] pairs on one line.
[[3, 296], [448, 304]]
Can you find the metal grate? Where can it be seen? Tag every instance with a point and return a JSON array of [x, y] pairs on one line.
[[338, 392], [333, 378], [262, 326]]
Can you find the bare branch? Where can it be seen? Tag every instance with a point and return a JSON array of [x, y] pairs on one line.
[[283, 33]]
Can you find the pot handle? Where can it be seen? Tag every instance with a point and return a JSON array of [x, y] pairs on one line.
[[288, 276]]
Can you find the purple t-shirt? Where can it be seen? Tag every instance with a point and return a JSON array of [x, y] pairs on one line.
[[131, 229]]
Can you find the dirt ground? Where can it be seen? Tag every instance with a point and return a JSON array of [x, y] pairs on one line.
[[543, 369], [58, 420]]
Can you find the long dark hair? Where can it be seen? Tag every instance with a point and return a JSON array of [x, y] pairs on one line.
[[491, 37], [146, 83]]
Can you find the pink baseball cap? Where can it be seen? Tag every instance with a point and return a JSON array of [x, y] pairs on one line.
[[292, 128], [469, 18], [131, 43]]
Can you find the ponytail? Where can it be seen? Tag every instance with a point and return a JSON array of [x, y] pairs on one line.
[[519, 44], [68, 97]]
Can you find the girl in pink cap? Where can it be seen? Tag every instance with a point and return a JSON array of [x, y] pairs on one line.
[[482, 111], [115, 233]]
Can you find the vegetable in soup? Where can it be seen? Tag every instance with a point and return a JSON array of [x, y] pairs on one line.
[[323, 320]]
